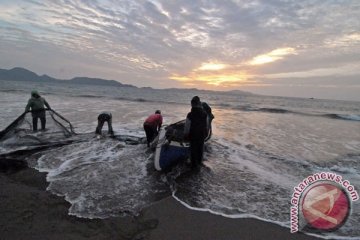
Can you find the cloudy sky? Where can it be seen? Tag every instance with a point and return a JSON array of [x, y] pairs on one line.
[[288, 48]]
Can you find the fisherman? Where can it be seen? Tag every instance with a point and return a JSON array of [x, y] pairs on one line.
[[196, 131], [208, 111], [36, 104], [102, 118], [152, 126]]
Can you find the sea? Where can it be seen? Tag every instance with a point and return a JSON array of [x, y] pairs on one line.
[[261, 148]]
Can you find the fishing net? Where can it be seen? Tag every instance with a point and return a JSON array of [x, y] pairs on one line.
[[130, 140], [19, 135], [20, 132], [176, 131]]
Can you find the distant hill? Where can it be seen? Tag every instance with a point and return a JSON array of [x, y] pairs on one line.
[[18, 74], [97, 81], [239, 92], [196, 90], [22, 74]]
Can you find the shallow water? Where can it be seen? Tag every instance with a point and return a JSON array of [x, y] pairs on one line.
[[261, 148]]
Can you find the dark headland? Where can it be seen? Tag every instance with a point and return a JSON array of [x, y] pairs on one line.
[[22, 74]]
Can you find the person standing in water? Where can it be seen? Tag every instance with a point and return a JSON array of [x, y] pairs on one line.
[[102, 118], [210, 116], [152, 126], [196, 131], [36, 105]]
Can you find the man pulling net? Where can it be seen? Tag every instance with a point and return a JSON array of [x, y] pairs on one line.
[[37, 106]]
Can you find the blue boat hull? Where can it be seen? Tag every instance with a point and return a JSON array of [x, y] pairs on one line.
[[168, 153], [171, 155]]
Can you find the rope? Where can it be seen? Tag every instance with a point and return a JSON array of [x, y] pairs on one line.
[[62, 126], [57, 114]]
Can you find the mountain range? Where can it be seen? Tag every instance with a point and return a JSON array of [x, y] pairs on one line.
[[25, 75], [22, 74]]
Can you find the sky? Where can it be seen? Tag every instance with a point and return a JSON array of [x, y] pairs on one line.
[[307, 48]]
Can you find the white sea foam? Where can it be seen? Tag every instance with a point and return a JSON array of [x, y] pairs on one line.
[[100, 178], [344, 170], [350, 117]]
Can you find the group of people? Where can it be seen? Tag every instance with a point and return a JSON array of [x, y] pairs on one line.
[[197, 123]]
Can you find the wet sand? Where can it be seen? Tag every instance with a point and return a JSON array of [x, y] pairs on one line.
[[28, 211]]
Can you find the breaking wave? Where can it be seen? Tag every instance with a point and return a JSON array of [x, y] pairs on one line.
[[350, 117]]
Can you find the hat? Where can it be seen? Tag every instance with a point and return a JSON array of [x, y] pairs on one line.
[[195, 101], [35, 93]]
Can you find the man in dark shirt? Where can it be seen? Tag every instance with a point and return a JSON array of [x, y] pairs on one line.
[[102, 118], [196, 131]]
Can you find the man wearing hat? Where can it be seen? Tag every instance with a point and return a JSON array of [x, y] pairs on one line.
[[196, 131], [37, 105]]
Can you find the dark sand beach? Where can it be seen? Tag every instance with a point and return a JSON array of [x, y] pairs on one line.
[[28, 211]]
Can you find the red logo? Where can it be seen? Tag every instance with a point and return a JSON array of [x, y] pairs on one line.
[[325, 207]]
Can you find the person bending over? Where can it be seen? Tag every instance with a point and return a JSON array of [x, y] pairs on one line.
[[102, 118], [152, 126], [36, 105]]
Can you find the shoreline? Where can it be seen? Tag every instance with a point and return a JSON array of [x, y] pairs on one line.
[[190, 224], [28, 211]]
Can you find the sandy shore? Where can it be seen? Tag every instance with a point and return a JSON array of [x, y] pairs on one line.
[[28, 211]]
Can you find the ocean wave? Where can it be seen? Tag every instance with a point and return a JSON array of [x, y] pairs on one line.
[[343, 169], [224, 105], [140, 100], [275, 110], [89, 96], [11, 90], [268, 110], [350, 117], [113, 97], [247, 108]]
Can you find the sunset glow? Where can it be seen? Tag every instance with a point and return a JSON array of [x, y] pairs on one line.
[[213, 74], [212, 66], [218, 79], [272, 56]]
